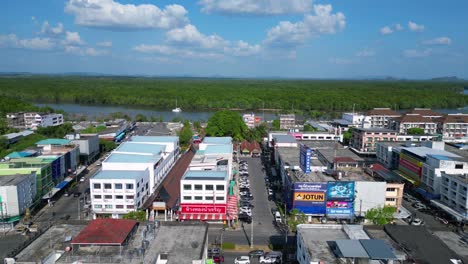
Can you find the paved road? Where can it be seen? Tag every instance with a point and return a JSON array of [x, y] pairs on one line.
[[428, 219]]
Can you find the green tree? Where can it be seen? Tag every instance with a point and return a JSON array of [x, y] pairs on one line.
[[295, 218], [56, 131], [309, 128], [415, 131], [106, 145], [141, 118], [381, 215], [185, 134], [3, 142], [135, 215], [226, 123], [347, 135], [197, 125], [275, 124]]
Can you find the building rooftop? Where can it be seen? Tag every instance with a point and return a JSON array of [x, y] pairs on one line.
[[105, 231], [413, 118], [320, 144], [168, 240], [23, 133], [382, 112], [12, 180], [218, 149], [118, 174], [339, 155], [217, 140], [132, 158], [205, 175], [420, 244], [425, 112], [155, 139], [289, 155], [131, 147], [374, 129], [342, 122], [455, 119], [54, 141], [284, 139], [424, 151]]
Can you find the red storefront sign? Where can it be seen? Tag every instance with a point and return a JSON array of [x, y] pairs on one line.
[[203, 208]]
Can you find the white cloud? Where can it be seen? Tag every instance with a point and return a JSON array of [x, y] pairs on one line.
[[415, 27], [12, 41], [178, 51], [111, 14], [161, 49], [242, 49], [189, 35], [365, 53], [412, 53], [84, 51], [438, 41], [72, 38], [323, 21], [106, 44], [399, 27], [47, 29], [386, 30], [256, 7]]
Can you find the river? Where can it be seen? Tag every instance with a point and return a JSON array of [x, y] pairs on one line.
[[100, 110], [94, 111]]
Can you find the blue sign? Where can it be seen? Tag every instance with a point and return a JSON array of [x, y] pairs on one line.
[[311, 208], [340, 209], [340, 191], [310, 186], [304, 158]]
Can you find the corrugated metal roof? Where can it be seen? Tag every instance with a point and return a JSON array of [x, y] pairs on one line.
[[377, 249], [105, 232], [54, 141], [351, 249], [154, 139], [218, 149], [284, 139], [140, 148], [217, 140], [119, 174], [200, 175], [132, 158]]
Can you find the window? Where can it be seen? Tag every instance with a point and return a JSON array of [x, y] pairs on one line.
[[138, 194], [108, 206], [97, 206], [209, 198], [130, 206], [458, 166], [198, 187], [146, 186], [209, 187], [390, 199], [130, 197], [219, 198], [119, 197], [198, 198], [118, 186], [97, 197], [129, 186], [107, 196], [391, 189], [97, 186], [187, 197], [119, 206], [220, 187], [138, 185], [107, 186], [187, 187]]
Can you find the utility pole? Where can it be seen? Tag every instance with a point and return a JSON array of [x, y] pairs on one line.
[[79, 215], [286, 225], [251, 233]]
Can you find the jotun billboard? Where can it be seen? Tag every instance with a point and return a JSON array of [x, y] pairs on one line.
[[310, 198]]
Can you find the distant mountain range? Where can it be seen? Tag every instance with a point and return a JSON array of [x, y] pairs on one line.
[[96, 74]]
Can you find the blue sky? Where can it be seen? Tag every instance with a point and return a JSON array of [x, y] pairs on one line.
[[242, 38]]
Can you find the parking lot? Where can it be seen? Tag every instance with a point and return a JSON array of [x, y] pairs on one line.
[[426, 215]]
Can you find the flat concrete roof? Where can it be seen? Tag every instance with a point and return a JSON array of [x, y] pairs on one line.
[[140, 148], [329, 154], [205, 175], [217, 140], [316, 241], [424, 151], [119, 174], [155, 139], [284, 139], [12, 180], [132, 158], [183, 242], [320, 144], [289, 155], [218, 149]]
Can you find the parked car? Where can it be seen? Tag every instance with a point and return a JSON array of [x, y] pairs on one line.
[[246, 204], [248, 213], [82, 179], [270, 191], [247, 193], [274, 254], [218, 258], [419, 206], [256, 253], [271, 197], [278, 217], [66, 194], [264, 259], [76, 194], [245, 218], [242, 260], [417, 222]]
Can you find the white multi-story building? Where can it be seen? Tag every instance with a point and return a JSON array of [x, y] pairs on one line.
[[215, 141], [404, 123], [379, 117], [287, 121], [35, 120], [115, 193], [454, 126], [436, 165], [454, 193], [251, 120], [17, 193]]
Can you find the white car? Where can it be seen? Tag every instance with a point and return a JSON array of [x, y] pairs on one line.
[[244, 193], [263, 259], [270, 192], [419, 206], [242, 260], [417, 222]]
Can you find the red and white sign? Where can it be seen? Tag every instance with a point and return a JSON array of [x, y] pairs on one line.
[[203, 208]]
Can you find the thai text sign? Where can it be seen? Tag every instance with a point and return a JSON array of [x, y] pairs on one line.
[[203, 209]]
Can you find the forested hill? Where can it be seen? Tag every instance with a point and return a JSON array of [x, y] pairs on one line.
[[211, 94]]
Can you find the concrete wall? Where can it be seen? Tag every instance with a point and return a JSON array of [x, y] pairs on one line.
[[369, 195]]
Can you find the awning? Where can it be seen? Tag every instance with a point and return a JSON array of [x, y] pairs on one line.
[[206, 217], [449, 210], [427, 195], [407, 178]]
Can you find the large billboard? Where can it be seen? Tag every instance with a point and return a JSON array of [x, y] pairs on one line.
[[304, 158], [340, 191], [338, 209], [309, 197]]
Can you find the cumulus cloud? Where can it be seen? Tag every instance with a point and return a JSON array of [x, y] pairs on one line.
[[321, 22], [112, 14], [256, 7], [412, 53], [72, 38], [189, 35], [12, 41], [386, 30], [399, 27], [438, 41], [365, 53], [106, 44], [415, 27], [81, 51], [47, 29], [242, 48]]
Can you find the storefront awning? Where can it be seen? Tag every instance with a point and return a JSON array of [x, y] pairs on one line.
[[449, 210], [206, 217]]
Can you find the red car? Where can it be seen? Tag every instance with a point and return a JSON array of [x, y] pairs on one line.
[[218, 258]]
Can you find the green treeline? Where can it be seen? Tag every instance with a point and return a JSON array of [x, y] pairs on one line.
[[194, 94]]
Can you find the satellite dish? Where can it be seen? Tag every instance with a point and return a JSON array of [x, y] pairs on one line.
[[194, 244]]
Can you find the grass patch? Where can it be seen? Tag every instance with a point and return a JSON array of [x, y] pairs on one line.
[[23, 143], [228, 245], [92, 130]]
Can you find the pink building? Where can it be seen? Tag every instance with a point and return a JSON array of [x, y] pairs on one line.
[[364, 140]]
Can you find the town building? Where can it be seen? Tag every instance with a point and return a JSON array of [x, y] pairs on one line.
[[339, 158], [33, 120], [287, 121], [15, 120], [251, 120], [379, 117], [251, 148], [14, 137], [88, 146], [426, 112], [364, 140], [17, 193], [408, 121], [453, 195], [454, 127]]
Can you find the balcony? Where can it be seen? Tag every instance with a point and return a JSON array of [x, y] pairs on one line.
[[129, 190], [129, 201]]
